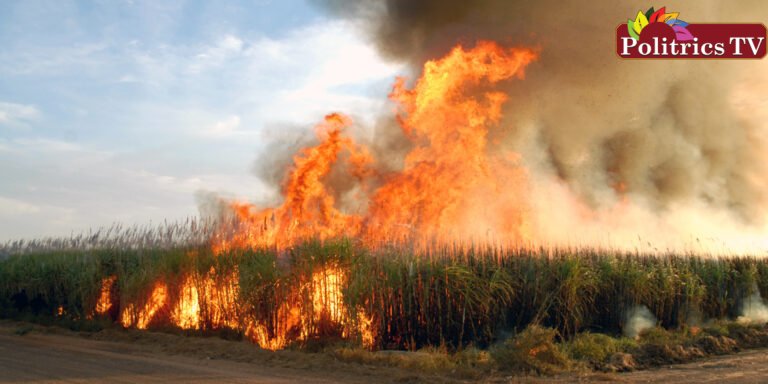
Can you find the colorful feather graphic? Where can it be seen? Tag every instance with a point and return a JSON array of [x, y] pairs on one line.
[[643, 19]]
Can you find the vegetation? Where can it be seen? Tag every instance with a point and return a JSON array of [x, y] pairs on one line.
[[516, 309]]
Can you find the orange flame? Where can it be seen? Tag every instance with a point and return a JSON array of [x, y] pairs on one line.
[[308, 209], [208, 301], [451, 188], [365, 328], [289, 328], [104, 304], [186, 313], [327, 299], [210, 296], [141, 318], [298, 324]]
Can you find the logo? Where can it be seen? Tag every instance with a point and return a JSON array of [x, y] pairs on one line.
[[658, 34], [635, 27]]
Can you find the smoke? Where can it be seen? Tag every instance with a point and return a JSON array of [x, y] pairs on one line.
[[634, 154], [753, 310], [638, 320]]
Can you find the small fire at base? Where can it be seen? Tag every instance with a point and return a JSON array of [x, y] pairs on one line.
[[217, 296]]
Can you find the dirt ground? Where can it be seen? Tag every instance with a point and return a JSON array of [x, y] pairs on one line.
[[30, 353]]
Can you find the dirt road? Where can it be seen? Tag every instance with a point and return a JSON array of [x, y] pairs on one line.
[[52, 356], [30, 353], [746, 367], [59, 359]]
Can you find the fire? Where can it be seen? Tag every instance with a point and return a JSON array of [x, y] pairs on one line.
[[327, 299], [213, 293], [288, 327], [451, 188], [211, 297], [295, 323], [141, 318], [104, 304], [365, 327], [308, 209], [186, 313], [259, 334], [208, 302], [536, 350]]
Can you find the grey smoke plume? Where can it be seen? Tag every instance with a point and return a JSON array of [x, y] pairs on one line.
[[684, 142]]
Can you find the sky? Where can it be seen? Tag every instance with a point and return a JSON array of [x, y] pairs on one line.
[[125, 111]]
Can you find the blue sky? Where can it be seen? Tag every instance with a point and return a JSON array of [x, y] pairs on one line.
[[121, 111]]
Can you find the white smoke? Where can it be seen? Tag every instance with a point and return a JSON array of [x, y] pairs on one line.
[[638, 320], [753, 310]]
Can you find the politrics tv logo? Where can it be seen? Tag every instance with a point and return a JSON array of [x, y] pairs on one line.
[[658, 34]]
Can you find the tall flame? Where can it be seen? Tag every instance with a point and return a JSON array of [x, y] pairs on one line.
[[308, 209], [450, 184], [451, 188]]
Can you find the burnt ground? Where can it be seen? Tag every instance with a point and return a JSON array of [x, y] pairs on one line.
[[31, 353]]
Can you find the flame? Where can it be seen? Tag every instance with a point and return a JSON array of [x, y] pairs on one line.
[[289, 327], [327, 299], [259, 334], [451, 188], [208, 301], [186, 313], [213, 293], [536, 350], [104, 304], [365, 328], [141, 318], [295, 323], [308, 209]]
